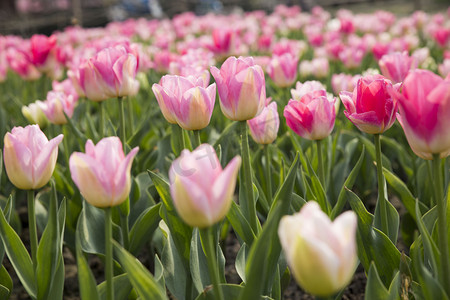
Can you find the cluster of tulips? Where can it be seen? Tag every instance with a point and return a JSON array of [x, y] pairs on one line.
[[163, 168]]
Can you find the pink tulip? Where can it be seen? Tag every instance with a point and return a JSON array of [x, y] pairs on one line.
[[424, 105], [111, 73], [241, 86], [41, 48], [370, 107], [30, 158], [185, 101], [395, 66], [66, 87], [312, 117], [264, 127], [321, 254], [102, 174], [201, 191], [343, 82], [20, 62], [302, 89], [56, 105], [283, 69]]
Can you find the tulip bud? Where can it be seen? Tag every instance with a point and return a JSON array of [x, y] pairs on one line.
[[283, 69], [321, 254], [102, 174], [264, 127], [34, 114], [30, 158], [201, 191], [56, 105]]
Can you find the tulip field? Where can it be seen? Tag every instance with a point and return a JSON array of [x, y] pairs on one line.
[[229, 157]]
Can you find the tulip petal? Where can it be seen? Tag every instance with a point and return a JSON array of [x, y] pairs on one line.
[[122, 178]]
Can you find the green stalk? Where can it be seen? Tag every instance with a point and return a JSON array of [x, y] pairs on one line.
[[108, 253], [441, 223], [125, 227], [130, 124], [268, 173], [126, 204], [321, 166], [122, 123], [65, 145], [32, 228], [102, 129], [197, 141], [249, 204], [178, 141], [381, 198], [207, 239]]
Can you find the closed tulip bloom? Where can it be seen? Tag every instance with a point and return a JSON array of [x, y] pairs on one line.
[[111, 73], [424, 106], [241, 87], [201, 190], [395, 66], [30, 158], [321, 254], [185, 101], [264, 127], [56, 105], [283, 69], [312, 117], [102, 174], [370, 107], [301, 89], [34, 114]]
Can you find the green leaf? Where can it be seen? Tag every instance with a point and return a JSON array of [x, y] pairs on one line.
[[7, 213], [88, 286], [18, 256], [266, 249], [241, 261], [57, 289], [376, 290], [6, 284], [431, 251], [159, 272], [393, 219], [143, 228], [240, 224], [229, 130], [373, 245], [122, 287], [141, 279], [230, 291]]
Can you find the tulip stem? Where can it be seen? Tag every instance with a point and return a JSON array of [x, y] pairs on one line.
[[32, 228], [197, 141], [130, 124], [321, 167], [268, 173], [381, 192], [125, 228], [108, 253], [247, 182], [122, 124], [178, 139], [441, 223], [102, 120], [207, 239]]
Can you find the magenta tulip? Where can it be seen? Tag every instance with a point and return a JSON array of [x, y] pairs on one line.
[[30, 158], [102, 174], [395, 66], [283, 69]]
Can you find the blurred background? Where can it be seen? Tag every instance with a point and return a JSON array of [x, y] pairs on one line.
[[26, 17]]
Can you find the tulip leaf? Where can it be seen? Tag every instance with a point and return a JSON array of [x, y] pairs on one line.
[[337, 209], [88, 286], [143, 228], [265, 251], [393, 219], [7, 213], [230, 291], [6, 284], [122, 288], [57, 289], [376, 290], [241, 261], [159, 272], [141, 279], [1, 165], [430, 249], [370, 147], [18, 256], [229, 130], [240, 224], [373, 245]]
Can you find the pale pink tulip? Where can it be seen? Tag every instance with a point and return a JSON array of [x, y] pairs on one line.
[[283, 69], [395, 66], [306, 87], [56, 104], [264, 127]]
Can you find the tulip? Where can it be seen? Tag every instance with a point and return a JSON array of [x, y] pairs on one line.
[[34, 114], [395, 66], [321, 254], [201, 191], [56, 105], [283, 69], [424, 106], [312, 117], [111, 73], [370, 107], [183, 100], [102, 174], [30, 158], [241, 87], [302, 89], [264, 127]]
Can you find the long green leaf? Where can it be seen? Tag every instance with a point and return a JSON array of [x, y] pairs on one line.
[[230, 291], [122, 287], [240, 224], [143, 228], [6, 284], [141, 279], [88, 286]]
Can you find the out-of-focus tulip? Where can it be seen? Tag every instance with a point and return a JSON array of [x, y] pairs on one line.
[[424, 106], [41, 47], [283, 69], [111, 73], [395, 66], [20, 62], [264, 127], [241, 87], [301, 89], [30, 158], [312, 117], [66, 87], [102, 174], [343, 82], [56, 105], [370, 107], [321, 254], [34, 114], [185, 101], [201, 191]]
